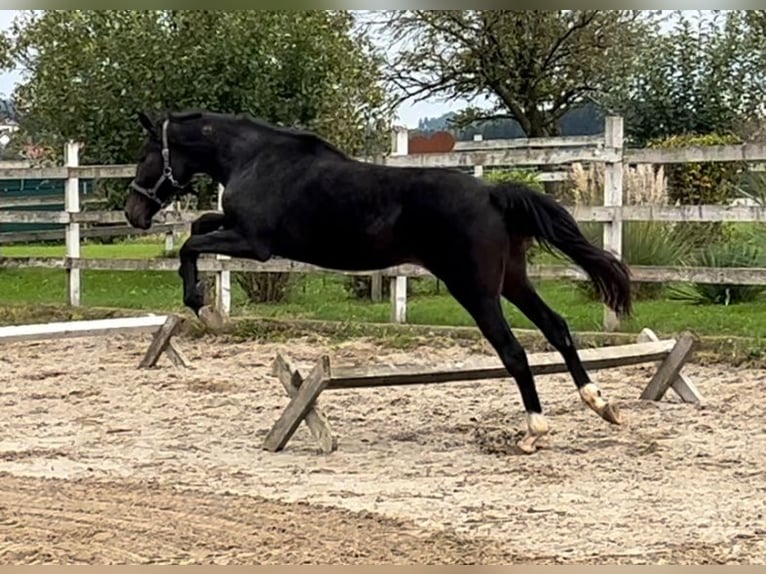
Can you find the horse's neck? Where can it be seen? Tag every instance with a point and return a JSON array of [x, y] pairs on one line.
[[212, 155], [229, 143]]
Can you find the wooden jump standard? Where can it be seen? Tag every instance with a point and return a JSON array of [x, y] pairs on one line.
[[670, 354], [163, 327]]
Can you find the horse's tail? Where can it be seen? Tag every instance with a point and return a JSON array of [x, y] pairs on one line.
[[533, 214]]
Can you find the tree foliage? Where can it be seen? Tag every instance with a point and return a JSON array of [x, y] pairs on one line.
[[531, 65], [701, 183], [88, 72], [704, 76]]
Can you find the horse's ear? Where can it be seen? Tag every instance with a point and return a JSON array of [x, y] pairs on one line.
[[147, 123]]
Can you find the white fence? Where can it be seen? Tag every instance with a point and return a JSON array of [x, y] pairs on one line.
[[606, 149]]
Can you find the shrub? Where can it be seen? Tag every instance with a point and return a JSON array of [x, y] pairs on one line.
[[644, 242], [263, 287], [752, 187], [360, 286], [739, 250], [529, 178], [642, 185], [702, 183]]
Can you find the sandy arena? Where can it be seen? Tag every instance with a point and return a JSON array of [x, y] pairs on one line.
[[104, 463]]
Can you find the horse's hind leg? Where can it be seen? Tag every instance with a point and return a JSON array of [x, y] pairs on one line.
[[520, 292], [487, 312]]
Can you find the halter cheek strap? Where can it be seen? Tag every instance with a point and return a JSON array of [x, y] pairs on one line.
[[167, 173]]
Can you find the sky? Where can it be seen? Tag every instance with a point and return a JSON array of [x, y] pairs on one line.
[[409, 113], [7, 79]]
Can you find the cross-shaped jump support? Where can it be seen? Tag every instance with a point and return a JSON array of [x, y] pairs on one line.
[[302, 407], [668, 374], [162, 343]]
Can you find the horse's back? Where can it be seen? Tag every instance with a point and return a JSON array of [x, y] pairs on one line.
[[347, 214]]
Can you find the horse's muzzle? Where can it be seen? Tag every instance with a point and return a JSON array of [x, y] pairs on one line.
[[139, 211]]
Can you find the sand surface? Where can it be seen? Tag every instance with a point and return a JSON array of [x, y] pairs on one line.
[[105, 463]]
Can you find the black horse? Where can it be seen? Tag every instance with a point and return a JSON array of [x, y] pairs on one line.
[[291, 194]]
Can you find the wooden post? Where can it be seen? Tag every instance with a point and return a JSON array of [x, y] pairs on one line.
[[162, 343], [222, 278], [376, 287], [682, 385], [670, 369], [399, 284], [478, 170], [300, 404], [72, 234], [170, 240], [613, 196], [316, 421]]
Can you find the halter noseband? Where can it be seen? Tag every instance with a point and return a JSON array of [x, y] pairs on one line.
[[167, 173]]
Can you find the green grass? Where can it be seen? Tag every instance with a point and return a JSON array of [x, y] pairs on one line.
[[132, 250], [321, 296]]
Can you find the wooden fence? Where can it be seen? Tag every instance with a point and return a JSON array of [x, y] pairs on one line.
[[606, 149]]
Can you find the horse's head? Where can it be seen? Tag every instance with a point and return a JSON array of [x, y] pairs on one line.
[[163, 171]]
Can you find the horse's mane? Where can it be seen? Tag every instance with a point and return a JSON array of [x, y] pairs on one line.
[[307, 137]]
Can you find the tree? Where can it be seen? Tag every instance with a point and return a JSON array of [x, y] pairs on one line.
[[755, 20], [705, 76], [88, 72], [531, 65]]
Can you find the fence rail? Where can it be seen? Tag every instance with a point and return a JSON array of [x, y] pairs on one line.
[[606, 148], [591, 214], [111, 231], [211, 264]]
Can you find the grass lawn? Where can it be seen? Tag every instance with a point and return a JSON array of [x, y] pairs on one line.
[[126, 250], [323, 297]]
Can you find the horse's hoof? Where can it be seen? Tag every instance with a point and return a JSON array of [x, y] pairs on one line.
[[592, 396], [611, 413], [212, 319], [527, 444]]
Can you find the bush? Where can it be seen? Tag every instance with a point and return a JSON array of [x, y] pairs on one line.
[[263, 287], [703, 183], [529, 178], [752, 187], [360, 286], [644, 243], [642, 185], [739, 250]]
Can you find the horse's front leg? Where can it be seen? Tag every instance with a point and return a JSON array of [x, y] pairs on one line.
[[220, 241], [208, 222], [205, 223]]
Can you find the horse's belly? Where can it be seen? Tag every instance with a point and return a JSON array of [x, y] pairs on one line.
[[343, 257], [352, 249]]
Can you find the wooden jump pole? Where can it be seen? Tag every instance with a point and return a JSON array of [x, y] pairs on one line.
[[670, 355], [162, 326]]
